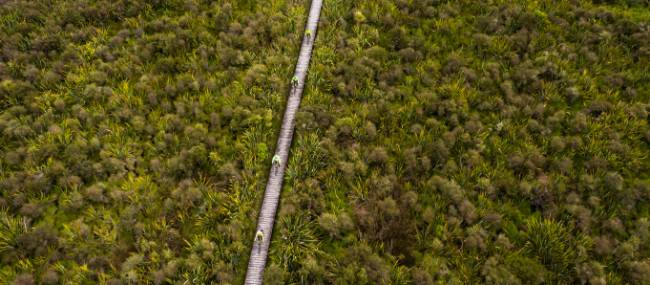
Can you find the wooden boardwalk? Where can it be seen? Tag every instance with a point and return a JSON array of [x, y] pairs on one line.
[[259, 252]]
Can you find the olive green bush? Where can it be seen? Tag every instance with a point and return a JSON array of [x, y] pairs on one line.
[[472, 142], [135, 136], [438, 142]]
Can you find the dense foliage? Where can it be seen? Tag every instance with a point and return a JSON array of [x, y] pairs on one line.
[[471, 142], [135, 136], [438, 142]]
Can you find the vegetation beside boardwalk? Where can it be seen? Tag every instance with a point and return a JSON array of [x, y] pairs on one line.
[[438, 142], [136, 136], [471, 142]]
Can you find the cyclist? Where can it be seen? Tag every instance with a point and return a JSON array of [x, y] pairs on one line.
[[259, 238], [275, 162], [294, 81]]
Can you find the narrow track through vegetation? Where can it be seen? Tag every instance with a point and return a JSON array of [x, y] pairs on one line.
[[259, 251]]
